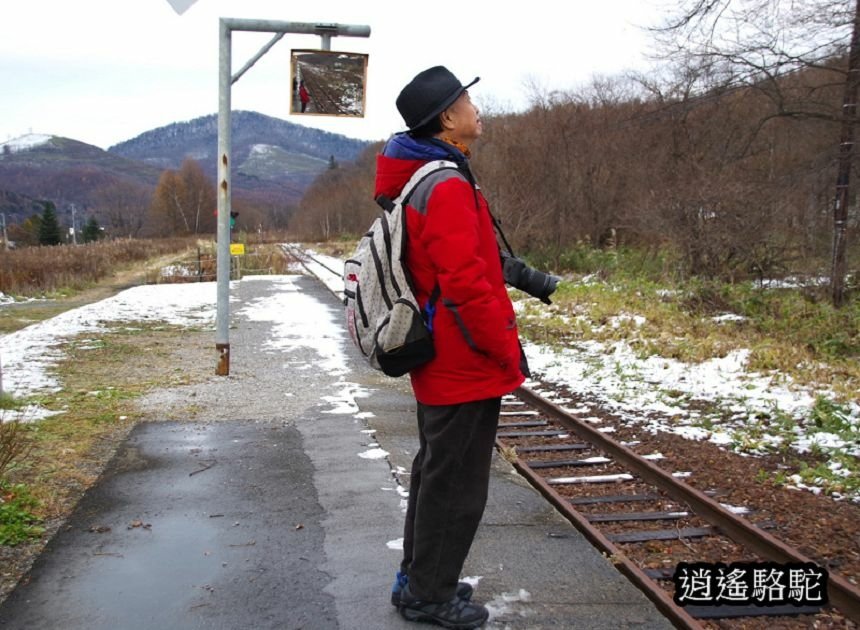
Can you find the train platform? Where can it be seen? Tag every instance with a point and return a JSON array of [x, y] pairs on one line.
[[278, 503]]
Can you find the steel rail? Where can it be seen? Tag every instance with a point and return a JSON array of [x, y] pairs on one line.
[[298, 253], [664, 603], [842, 594]]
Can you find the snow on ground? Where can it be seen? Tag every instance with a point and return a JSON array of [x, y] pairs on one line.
[[29, 354], [657, 391], [663, 394], [300, 321], [673, 396]]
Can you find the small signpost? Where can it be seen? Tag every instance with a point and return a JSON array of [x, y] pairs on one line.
[[225, 82]]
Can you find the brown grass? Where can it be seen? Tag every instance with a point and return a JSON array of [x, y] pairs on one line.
[[36, 271], [13, 445]]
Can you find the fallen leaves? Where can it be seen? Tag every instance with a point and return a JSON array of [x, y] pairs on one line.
[[137, 523]]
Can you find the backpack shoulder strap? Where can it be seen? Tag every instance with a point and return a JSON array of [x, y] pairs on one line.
[[418, 176], [421, 174]]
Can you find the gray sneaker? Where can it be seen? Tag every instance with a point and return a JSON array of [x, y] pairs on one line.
[[464, 589], [455, 613]]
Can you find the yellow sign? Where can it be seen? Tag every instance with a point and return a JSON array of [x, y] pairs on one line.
[[237, 249]]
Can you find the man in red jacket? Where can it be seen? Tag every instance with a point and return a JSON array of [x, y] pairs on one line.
[[451, 247]]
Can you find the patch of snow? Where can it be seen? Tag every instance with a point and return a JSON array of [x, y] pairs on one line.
[[374, 453], [30, 354], [794, 282], [618, 320], [299, 321], [577, 410], [177, 270], [728, 317], [262, 149], [502, 604]]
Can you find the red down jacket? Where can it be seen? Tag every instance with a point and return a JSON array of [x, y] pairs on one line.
[[451, 242]]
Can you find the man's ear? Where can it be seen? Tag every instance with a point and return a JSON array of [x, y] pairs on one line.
[[446, 121]]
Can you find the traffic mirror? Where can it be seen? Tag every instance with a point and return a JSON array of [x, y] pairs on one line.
[[328, 83]]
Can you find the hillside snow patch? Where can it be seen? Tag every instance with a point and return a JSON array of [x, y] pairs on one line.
[[25, 143]]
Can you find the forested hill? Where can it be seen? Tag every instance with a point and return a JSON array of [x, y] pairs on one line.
[[274, 162], [167, 146]]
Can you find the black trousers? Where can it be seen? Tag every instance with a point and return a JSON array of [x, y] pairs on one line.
[[447, 493]]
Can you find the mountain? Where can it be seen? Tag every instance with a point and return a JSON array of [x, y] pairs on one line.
[[274, 162], [270, 155], [65, 171]]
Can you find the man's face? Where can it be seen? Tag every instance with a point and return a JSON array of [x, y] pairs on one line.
[[462, 121]]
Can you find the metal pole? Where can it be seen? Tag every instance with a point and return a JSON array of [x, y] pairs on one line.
[[5, 246], [226, 26], [257, 57], [222, 319]]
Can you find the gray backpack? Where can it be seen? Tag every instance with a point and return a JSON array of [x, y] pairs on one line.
[[383, 317]]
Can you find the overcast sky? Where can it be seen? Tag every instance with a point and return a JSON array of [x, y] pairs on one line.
[[104, 71]]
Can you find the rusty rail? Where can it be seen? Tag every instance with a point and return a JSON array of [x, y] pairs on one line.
[[842, 594]]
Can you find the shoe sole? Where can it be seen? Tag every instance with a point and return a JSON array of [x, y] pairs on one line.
[[395, 597], [416, 615]]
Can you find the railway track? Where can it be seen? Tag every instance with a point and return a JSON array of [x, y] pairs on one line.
[[641, 515], [323, 99], [649, 521]]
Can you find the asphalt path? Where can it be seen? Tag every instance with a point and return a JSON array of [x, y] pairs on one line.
[[260, 512]]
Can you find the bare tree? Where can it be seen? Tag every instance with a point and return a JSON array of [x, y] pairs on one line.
[[122, 206], [760, 45], [184, 202]]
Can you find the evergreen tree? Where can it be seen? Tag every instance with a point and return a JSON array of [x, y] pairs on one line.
[[332, 163], [92, 231], [49, 228]]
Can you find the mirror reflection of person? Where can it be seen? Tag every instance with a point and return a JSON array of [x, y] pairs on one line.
[[304, 97]]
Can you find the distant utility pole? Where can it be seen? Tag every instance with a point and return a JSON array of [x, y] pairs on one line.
[[74, 231], [6, 247], [225, 83]]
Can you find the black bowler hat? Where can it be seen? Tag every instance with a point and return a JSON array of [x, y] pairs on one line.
[[429, 94]]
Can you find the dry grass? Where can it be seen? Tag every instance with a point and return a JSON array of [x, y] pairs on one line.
[[40, 271], [13, 444], [807, 340]]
